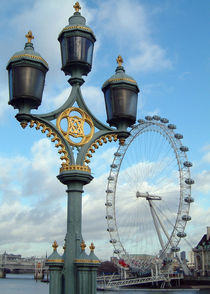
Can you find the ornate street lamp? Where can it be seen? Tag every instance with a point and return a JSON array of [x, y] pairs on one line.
[[27, 71], [75, 271]]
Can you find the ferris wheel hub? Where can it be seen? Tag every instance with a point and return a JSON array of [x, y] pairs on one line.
[[147, 196]]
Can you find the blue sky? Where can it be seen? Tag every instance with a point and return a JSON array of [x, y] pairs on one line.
[[165, 47]]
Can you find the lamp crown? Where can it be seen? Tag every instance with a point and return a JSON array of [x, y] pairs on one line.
[[92, 247], [29, 36]]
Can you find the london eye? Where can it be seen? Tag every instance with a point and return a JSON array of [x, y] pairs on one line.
[[148, 194]]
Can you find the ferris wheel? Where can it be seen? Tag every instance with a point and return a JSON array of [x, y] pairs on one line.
[[148, 194]]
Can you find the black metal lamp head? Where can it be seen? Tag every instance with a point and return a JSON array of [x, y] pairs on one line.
[[121, 95], [77, 43], [27, 70]]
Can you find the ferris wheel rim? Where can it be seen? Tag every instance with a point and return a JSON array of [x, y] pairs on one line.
[[175, 142]]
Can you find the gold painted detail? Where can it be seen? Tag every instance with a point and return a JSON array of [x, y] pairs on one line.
[[77, 7], [30, 56], [24, 124], [122, 141], [92, 247], [54, 136], [29, 36], [55, 260], [76, 126], [86, 261], [122, 79], [55, 245], [77, 27], [97, 143], [66, 167], [83, 245], [119, 60]]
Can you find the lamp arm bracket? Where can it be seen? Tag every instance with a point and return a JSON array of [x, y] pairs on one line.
[[99, 138], [75, 96], [52, 132], [97, 123], [68, 103]]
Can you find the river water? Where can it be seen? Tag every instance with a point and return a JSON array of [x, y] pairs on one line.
[[25, 284]]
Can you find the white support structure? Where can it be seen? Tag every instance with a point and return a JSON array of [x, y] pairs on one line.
[[144, 280], [156, 224]]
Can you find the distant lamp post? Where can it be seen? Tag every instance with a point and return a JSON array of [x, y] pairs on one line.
[[76, 128]]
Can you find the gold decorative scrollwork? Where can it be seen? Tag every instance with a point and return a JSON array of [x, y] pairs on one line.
[[30, 56], [122, 79], [66, 167], [97, 143], [54, 138], [75, 126], [94, 261]]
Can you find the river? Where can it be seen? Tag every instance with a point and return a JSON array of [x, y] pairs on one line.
[[24, 284]]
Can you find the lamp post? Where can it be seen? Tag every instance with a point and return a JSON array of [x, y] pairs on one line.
[[77, 129]]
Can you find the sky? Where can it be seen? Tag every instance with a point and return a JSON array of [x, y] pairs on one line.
[[165, 47]]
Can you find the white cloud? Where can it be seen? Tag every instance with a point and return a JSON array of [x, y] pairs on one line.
[[31, 197], [184, 75], [94, 222], [21, 224], [59, 99], [130, 29], [4, 107], [121, 21], [94, 99], [196, 228], [206, 157], [201, 173], [202, 182], [151, 57]]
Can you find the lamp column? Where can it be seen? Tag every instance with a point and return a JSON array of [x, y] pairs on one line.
[[75, 180]]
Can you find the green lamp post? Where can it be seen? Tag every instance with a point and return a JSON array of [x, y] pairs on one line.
[[75, 271]]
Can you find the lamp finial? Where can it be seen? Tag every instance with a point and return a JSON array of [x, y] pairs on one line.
[[83, 245], [77, 7], [55, 245], [119, 60], [92, 247], [29, 36]]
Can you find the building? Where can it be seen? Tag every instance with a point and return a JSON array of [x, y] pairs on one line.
[[191, 260], [202, 255], [10, 257], [183, 256]]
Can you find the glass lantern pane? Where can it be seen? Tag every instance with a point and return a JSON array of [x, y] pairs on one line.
[[10, 85], [79, 49], [63, 50], [28, 81], [125, 102], [108, 102]]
